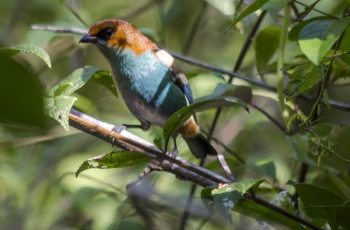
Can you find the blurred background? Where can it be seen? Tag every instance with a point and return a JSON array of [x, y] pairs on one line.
[[38, 187]]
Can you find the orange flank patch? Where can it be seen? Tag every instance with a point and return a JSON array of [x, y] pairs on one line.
[[189, 128], [126, 36]]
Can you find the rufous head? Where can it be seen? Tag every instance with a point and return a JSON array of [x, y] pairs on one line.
[[118, 34]]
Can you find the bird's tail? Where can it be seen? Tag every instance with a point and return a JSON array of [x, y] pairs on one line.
[[199, 146]]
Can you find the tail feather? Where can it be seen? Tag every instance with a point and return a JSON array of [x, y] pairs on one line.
[[200, 147]]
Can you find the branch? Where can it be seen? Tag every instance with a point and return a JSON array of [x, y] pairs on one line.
[[126, 140], [177, 166]]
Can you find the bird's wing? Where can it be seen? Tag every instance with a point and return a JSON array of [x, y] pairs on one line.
[[176, 75]]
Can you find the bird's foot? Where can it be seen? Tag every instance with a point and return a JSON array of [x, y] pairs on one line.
[[119, 128], [173, 153]]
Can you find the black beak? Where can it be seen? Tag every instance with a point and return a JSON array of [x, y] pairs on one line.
[[88, 38]]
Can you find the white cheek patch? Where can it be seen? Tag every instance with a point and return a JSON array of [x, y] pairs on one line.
[[165, 57]]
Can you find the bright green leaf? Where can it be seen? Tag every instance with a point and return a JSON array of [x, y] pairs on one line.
[[58, 108], [58, 101], [317, 37], [79, 78], [31, 49], [121, 159]]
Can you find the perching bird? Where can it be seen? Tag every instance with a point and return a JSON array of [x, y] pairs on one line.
[[145, 76]]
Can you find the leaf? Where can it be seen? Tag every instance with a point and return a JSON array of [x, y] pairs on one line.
[[317, 37], [79, 78], [299, 152], [58, 102], [303, 79], [226, 197], [178, 118], [20, 95], [267, 42], [256, 5], [260, 212], [283, 200], [263, 167], [322, 203], [31, 49], [273, 7], [58, 108], [293, 34], [121, 159], [230, 196], [225, 90]]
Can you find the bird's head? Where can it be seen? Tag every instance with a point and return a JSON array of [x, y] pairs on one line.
[[114, 34]]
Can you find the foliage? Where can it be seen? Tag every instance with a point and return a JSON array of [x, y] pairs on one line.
[[291, 149]]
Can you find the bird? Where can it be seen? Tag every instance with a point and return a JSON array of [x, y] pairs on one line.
[[148, 79]]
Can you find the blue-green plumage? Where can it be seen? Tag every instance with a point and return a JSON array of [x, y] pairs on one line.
[[145, 84]]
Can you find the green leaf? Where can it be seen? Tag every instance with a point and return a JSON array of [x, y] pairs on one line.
[[299, 151], [79, 78], [225, 90], [226, 197], [273, 7], [303, 79], [256, 5], [31, 49], [58, 101], [258, 211], [293, 34], [283, 200], [178, 118], [317, 37], [20, 95], [159, 142], [263, 167], [241, 187], [322, 203], [121, 159], [266, 44], [58, 108]]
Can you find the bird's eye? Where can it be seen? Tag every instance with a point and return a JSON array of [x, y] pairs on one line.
[[106, 33]]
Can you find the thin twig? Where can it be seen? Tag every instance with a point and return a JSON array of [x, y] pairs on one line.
[[334, 104], [138, 11], [316, 10], [80, 19], [274, 121], [195, 28]]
